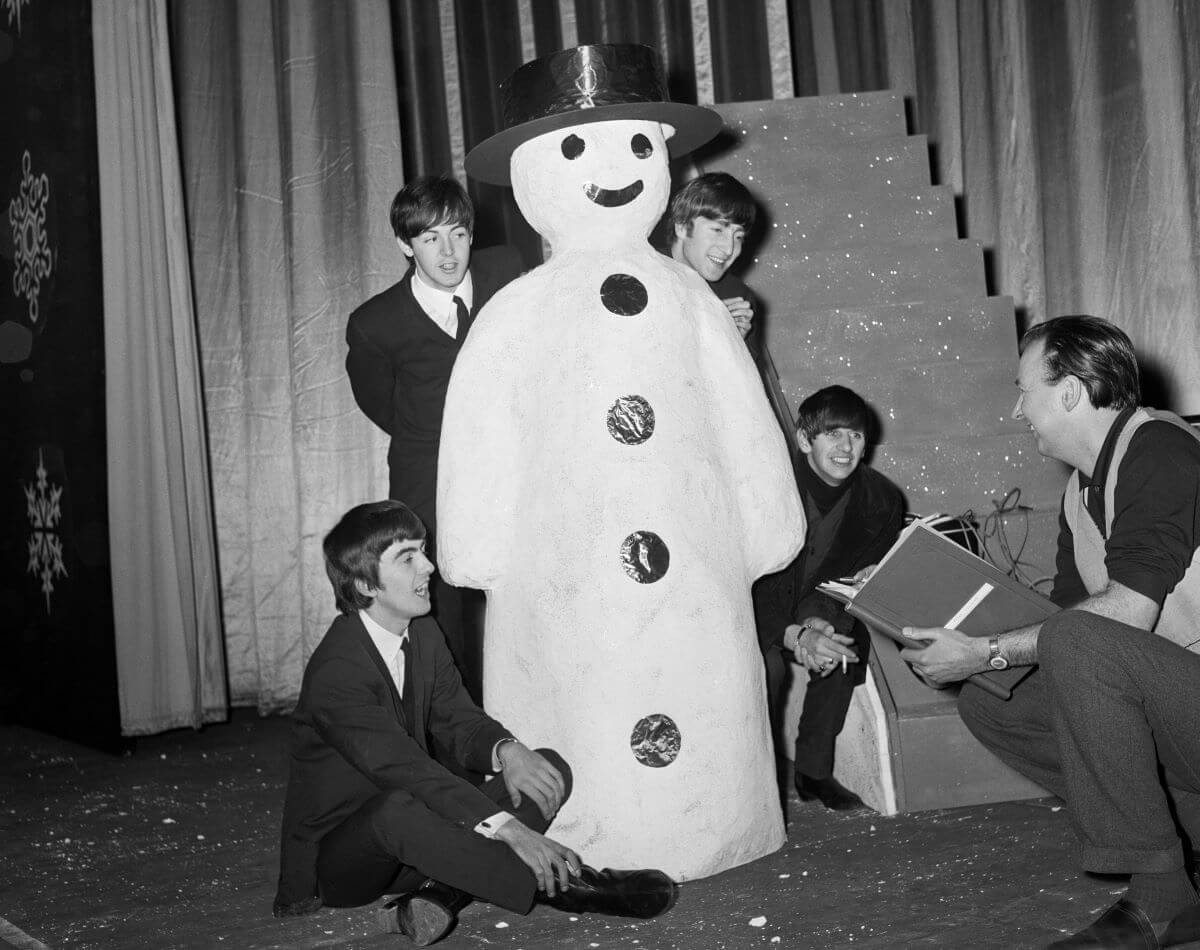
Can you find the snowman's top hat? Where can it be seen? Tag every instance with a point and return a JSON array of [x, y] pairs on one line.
[[587, 84]]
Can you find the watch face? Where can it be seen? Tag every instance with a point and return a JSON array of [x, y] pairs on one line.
[[998, 663]]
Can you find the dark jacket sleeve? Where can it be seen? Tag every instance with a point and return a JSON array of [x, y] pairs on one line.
[[371, 370], [347, 714], [455, 720]]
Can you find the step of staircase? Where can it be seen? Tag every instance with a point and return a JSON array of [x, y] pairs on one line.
[[900, 161], [800, 280], [954, 473], [803, 340], [806, 219], [812, 120]]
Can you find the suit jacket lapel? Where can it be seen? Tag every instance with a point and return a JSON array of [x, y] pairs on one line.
[[364, 640], [420, 659]]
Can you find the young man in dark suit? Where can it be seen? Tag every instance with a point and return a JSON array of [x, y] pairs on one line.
[[403, 344], [369, 811], [854, 515]]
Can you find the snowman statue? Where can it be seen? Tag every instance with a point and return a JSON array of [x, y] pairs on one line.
[[611, 474]]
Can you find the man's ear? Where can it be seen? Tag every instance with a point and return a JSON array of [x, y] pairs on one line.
[[1072, 392], [405, 247], [802, 441], [363, 587]]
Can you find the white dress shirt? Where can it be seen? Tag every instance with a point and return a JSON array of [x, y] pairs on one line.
[[439, 304]]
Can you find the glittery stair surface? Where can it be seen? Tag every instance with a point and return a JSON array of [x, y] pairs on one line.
[[868, 274], [894, 161], [844, 337], [865, 282], [955, 473], [801, 217], [818, 118]]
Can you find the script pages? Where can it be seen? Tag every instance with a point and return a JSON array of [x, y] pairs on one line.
[[927, 580]]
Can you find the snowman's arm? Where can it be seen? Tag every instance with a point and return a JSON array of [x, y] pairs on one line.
[[477, 465], [764, 483]]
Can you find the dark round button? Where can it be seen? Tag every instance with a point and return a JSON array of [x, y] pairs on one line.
[[631, 420], [623, 294], [655, 741], [645, 557]]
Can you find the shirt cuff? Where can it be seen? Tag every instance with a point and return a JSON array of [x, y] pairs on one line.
[[496, 754], [489, 826]]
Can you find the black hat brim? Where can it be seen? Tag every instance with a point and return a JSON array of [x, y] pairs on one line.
[[694, 125]]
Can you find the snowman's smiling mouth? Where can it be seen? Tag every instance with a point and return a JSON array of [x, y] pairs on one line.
[[608, 198]]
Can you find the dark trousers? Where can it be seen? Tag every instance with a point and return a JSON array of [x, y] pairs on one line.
[[1110, 722], [394, 842], [826, 700]]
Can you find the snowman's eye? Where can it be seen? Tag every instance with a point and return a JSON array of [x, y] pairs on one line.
[[572, 147], [640, 146]]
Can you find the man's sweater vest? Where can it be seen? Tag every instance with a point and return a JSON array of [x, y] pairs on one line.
[[1179, 619]]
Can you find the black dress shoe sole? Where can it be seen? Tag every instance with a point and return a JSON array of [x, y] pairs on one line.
[[421, 919]]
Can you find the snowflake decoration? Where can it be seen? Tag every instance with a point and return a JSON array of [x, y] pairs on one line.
[[45, 547], [14, 11], [27, 216]]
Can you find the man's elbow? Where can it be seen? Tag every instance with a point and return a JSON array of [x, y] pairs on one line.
[[1131, 606]]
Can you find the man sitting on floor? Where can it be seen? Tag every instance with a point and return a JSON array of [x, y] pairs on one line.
[[1096, 725], [369, 811]]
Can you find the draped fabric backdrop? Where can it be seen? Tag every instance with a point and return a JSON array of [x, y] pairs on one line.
[[1069, 129], [170, 655], [291, 143]]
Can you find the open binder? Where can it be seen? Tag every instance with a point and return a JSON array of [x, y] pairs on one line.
[[926, 580]]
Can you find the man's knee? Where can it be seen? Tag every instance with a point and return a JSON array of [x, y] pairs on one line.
[[1064, 638]]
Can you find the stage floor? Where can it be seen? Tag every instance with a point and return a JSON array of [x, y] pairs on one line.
[[175, 846]]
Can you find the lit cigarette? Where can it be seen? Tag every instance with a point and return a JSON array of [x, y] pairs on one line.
[[843, 664]]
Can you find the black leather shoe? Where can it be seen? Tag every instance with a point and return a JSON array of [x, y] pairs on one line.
[[1125, 926], [642, 894], [829, 792], [424, 916]]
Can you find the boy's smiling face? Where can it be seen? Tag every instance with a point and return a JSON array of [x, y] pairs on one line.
[[709, 245], [833, 454], [441, 254]]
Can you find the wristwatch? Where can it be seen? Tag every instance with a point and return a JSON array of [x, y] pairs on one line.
[[996, 661]]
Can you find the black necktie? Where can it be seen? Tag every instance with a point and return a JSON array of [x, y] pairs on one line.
[[406, 694], [464, 319]]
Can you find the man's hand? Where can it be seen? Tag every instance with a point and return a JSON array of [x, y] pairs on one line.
[[861, 577], [527, 773], [742, 312], [551, 863], [947, 657], [820, 647]]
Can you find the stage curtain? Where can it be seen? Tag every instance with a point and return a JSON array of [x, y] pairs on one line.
[[1068, 129], [170, 659], [291, 145]]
